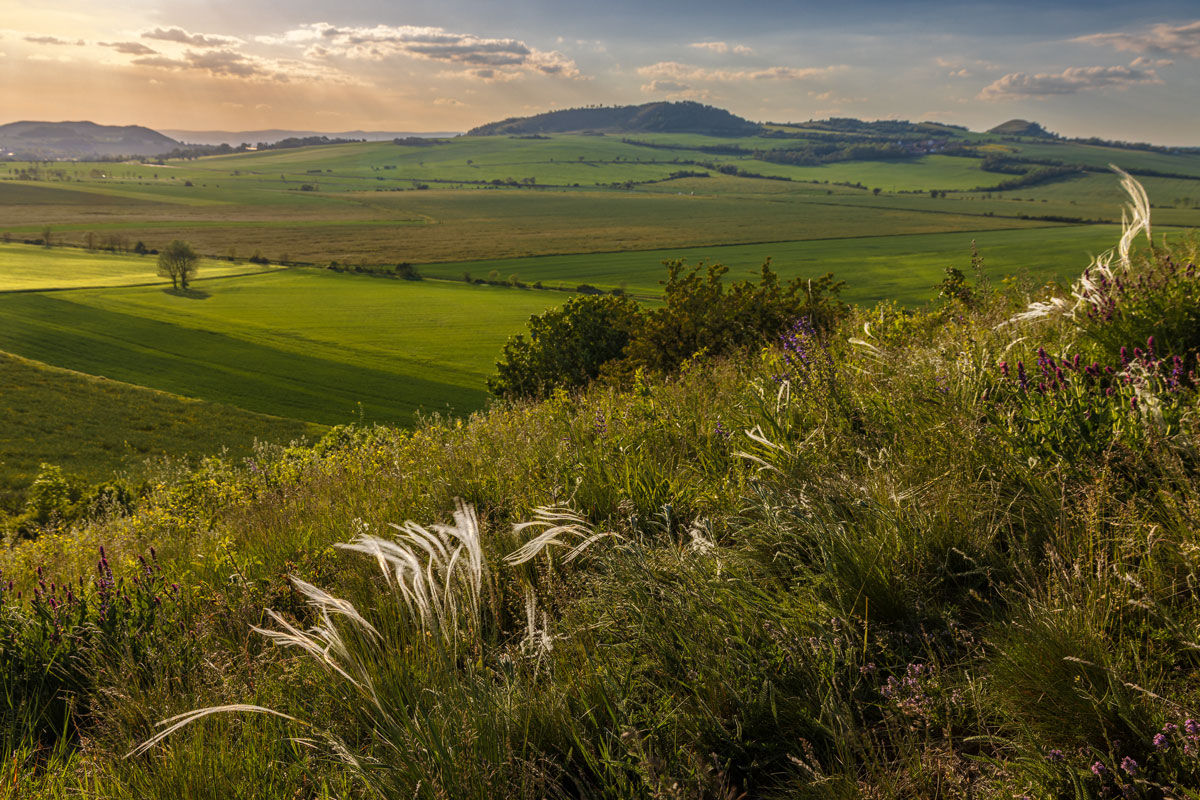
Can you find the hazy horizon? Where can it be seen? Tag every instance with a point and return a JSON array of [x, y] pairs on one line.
[[1102, 69]]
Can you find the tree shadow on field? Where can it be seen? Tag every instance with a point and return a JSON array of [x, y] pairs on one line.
[[190, 294]]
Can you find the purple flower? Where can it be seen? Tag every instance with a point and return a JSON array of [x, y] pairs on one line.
[[1004, 368], [1191, 727], [1161, 742], [1098, 769], [1055, 756], [1022, 378], [1129, 765]]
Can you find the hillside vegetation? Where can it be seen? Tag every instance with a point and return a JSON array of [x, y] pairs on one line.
[[661, 117], [55, 140], [939, 552]]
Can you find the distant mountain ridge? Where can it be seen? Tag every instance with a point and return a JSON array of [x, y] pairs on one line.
[[272, 135], [664, 117], [35, 140]]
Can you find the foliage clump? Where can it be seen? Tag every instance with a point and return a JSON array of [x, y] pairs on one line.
[[588, 337]]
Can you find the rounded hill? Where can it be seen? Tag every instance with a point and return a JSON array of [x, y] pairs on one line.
[[681, 117]]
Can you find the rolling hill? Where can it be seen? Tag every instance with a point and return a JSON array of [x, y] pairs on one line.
[[59, 140], [683, 117]]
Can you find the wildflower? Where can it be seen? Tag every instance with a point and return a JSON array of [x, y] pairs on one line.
[[867, 669], [1098, 769], [1129, 765], [1191, 727], [1055, 756], [1022, 378], [1004, 368], [1161, 742]]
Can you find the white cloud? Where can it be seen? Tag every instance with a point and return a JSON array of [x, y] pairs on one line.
[[180, 36], [481, 56], [685, 73], [723, 48], [665, 86], [1069, 81], [1162, 38]]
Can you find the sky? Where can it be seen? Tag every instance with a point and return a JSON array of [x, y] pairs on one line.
[[1099, 68]]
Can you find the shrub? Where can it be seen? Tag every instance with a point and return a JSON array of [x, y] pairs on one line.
[[566, 347]]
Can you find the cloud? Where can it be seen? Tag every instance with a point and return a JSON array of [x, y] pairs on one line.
[[130, 48], [1070, 81], [960, 73], [723, 47], [484, 57], [687, 73], [1181, 39], [447, 101], [665, 86], [230, 64], [180, 36], [54, 40]]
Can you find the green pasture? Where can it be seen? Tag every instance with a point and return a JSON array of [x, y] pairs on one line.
[[465, 225], [903, 268], [306, 344], [95, 428], [28, 267], [1099, 156]]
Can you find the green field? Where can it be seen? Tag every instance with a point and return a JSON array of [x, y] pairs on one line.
[[94, 427], [325, 347], [903, 268], [305, 344], [26, 268]]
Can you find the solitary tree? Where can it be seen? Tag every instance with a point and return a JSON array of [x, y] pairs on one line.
[[178, 261]]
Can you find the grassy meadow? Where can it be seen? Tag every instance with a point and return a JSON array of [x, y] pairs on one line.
[[952, 556], [904, 268], [330, 347], [95, 428], [26, 268], [370, 349]]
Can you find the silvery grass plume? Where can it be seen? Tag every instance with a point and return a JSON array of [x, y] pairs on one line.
[[560, 526], [436, 571], [1135, 219]]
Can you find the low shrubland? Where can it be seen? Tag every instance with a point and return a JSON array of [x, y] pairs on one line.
[[942, 553]]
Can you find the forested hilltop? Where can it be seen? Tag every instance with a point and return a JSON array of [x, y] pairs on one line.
[[663, 117], [766, 545]]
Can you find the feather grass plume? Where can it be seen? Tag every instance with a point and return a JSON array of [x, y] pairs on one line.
[[559, 525], [1086, 291], [437, 571]]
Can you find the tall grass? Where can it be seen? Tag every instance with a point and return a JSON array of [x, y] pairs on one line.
[[875, 564]]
